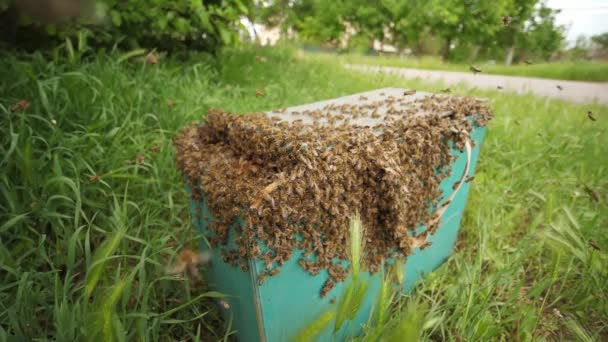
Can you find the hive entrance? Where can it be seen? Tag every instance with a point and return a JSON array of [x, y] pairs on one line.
[[296, 176]]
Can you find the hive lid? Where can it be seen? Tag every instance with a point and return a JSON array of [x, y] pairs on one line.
[[373, 108]]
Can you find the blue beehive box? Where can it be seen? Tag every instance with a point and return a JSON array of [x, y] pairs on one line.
[[284, 304]]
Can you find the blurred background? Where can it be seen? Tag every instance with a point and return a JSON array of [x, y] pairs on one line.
[[501, 31]]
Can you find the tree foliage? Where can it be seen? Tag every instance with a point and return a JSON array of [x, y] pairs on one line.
[[492, 27], [163, 24], [601, 40]]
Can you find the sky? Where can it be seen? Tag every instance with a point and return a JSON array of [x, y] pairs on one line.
[[588, 17]]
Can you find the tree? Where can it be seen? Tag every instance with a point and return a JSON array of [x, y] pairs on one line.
[[543, 37], [601, 40], [473, 22], [407, 20], [519, 12]]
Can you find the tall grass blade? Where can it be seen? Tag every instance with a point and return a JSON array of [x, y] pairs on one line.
[[130, 54], [310, 332], [384, 301], [105, 251], [578, 331], [409, 328], [344, 306], [356, 245]]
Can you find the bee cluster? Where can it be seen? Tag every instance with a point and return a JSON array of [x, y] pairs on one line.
[[293, 179]]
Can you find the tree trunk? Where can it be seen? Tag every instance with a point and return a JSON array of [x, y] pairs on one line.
[[474, 53], [446, 49], [510, 54]]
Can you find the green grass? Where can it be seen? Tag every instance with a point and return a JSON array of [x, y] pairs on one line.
[[85, 256], [576, 71]]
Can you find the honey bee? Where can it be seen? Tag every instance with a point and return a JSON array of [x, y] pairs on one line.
[[20, 106], [474, 69], [262, 278]]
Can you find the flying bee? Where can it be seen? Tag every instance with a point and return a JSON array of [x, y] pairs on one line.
[[474, 69], [409, 92], [595, 196], [259, 93], [590, 116], [506, 20], [528, 62], [151, 58], [20, 106], [188, 261]]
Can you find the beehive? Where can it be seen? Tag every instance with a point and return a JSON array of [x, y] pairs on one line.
[[279, 307]]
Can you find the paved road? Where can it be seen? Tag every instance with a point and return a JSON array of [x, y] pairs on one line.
[[574, 91]]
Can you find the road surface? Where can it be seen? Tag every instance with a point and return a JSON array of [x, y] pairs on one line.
[[574, 91]]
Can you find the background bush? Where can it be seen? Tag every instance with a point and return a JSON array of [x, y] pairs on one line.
[[163, 24]]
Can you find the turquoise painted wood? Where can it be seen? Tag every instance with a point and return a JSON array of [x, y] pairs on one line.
[[289, 301]]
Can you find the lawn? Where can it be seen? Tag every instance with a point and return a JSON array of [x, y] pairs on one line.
[[576, 71], [92, 208]]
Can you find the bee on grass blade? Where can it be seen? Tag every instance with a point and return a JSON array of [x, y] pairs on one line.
[[20, 106], [188, 261], [474, 69], [528, 62], [446, 90], [259, 93], [151, 58], [594, 245], [409, 92], [506, 20], [590, 116], [595, 196]]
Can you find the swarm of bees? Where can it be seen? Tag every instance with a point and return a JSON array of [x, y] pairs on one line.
[[294, 182]]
